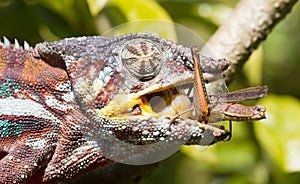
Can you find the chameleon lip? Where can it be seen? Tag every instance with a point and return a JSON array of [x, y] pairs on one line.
[[124, 104]]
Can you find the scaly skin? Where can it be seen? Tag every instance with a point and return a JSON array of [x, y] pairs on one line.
[[37, 116], [59, 99]]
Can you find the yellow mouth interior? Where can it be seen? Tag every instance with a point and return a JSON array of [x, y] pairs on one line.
[[167, 103]]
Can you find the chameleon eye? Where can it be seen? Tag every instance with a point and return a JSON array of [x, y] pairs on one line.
[[142, 59]]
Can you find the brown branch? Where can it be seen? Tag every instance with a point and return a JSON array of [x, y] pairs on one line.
[[245, 29]]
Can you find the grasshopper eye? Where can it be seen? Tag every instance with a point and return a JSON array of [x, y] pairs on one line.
[[142, 59]]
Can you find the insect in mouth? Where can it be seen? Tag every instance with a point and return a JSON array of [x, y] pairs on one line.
[[205, 105]]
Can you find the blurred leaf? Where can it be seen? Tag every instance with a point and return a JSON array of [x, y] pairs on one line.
[[234, 156], [281, 52], [76, 14], [64, 7], [18, 21], [216, 12], [143, 16], [96, 6], [159, 27], [279, 133], [253, 67], [137, 9]]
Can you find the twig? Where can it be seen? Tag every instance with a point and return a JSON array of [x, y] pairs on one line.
[[249, 24]]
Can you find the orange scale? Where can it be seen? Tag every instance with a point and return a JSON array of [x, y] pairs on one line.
[[80, 61], [43, 90], [181, 69], [110, 81], [104, 98], [111, 88], [103, 90]]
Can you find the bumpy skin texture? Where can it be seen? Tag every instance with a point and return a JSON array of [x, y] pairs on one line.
[[58, 99], [37, 117]]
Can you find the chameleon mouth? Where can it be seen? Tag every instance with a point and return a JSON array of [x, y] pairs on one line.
[[167, 99], [170, 103], [174, 103], [163, 99]]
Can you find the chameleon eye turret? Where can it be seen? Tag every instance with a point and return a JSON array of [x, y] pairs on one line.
[[142, 59]]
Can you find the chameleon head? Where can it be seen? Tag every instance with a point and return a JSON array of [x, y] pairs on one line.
[[156, 76], [131, 75], [134, 88], [136, 76], [154, 73], [131, 89]]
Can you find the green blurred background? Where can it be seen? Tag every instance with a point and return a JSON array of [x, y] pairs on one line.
[[266, 151]]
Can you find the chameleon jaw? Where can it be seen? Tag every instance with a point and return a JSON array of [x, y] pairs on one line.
[[139, 104], [178, 106]]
